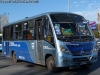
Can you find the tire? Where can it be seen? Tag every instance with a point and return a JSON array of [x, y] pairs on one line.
[[50, 62], [14, 58]]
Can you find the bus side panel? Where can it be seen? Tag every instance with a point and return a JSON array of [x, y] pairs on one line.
[[48, 49], [0, 47], [5, 47], [22, 50], [32, 49]]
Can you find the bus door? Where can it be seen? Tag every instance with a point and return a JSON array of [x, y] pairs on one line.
[[39, 45], [8, 29]]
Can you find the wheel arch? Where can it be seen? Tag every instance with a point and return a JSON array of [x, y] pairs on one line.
[[12, 53], [46, 56]]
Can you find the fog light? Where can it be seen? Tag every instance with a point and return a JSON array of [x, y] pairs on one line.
[[95, 58], [65, 61], [90, 57]]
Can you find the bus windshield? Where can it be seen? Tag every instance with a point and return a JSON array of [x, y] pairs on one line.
[[70, 25]]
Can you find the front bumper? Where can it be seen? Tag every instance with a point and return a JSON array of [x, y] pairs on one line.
[[69, 60]]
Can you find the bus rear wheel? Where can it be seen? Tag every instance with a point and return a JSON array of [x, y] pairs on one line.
[[14, 58], [50, 62]]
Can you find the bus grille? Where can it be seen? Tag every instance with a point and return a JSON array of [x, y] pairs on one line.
[[79, 53], [80, 59]]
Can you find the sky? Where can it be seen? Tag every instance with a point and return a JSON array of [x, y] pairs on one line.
[[18, 11]]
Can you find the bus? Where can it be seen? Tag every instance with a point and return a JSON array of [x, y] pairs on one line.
[[53, 39], [0, 42]]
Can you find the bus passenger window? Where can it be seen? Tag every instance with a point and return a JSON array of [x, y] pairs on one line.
[[15, 35], [16, 28], [20, 35], [25, 25], [20, 26], [29, 35]]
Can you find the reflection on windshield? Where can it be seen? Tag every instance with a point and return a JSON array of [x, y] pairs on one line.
[[68, 29], [82, 25], [83, 29], [64, 29], [66, 32]]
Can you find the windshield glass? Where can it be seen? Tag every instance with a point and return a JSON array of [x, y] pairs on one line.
[[81, 24], [65, 29], [70, 24]]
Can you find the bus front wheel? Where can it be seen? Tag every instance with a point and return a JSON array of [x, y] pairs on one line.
[[50, 62], [14, 58]]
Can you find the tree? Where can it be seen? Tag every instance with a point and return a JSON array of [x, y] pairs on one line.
[[96, 34]]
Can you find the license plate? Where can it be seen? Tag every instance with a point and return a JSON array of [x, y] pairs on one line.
[[82, 63]]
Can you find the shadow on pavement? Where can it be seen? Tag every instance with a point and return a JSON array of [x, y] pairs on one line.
[[93, 70], [33, 69], [4, 66], [2, 57], [40, 70]]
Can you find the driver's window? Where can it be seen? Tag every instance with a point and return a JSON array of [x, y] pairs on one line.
[[48, 34], [49, 30]]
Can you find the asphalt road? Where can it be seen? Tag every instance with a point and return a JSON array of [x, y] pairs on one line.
[[8, 67]]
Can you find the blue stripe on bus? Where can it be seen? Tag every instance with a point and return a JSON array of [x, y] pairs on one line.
[[76, 47], [23, 50]]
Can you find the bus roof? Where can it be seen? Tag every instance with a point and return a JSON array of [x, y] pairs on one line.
[[28, 18]]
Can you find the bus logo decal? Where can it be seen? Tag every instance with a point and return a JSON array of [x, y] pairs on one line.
[[82, 52], [32, 44], [46, 47], [13, 44], [21, 57]]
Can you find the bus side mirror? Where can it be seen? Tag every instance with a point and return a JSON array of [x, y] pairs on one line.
[[87, 21]]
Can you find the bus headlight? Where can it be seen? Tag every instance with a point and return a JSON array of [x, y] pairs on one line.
[[64, 50]]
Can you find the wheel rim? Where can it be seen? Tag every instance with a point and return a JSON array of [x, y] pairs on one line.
[[51, 64]]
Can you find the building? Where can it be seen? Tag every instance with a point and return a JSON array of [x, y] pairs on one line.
[[4, 19]]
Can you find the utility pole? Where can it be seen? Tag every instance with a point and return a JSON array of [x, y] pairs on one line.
[[68, 5]]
